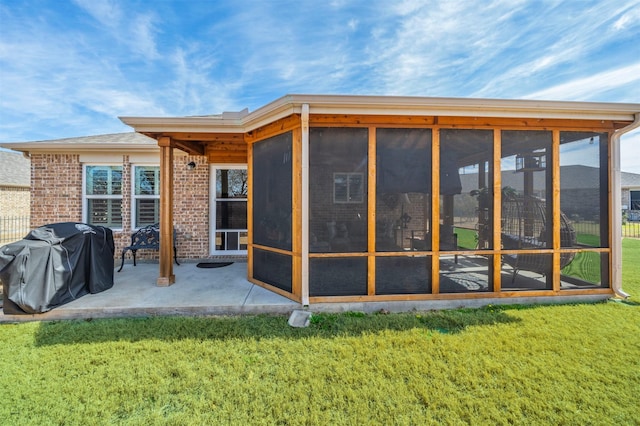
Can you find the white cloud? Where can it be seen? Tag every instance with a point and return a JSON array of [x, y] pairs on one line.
[[630, 150], [69, 67], [593, 86], [135, 30], [630, 18]]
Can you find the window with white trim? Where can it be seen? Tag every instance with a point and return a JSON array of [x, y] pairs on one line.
[[146, 196], [103, 196], [348, 188]]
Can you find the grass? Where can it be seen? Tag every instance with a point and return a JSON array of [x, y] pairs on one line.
[[567, 364]]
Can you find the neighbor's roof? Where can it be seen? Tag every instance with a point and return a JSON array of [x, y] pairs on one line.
[[130, 141], [244, 121], [15, 170], [629, 180]]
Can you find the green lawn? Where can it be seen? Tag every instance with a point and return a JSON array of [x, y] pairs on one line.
[[560, 365]]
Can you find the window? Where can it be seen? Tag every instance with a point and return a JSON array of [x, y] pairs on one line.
[[634, 200], [103, 196], [348, 188], [146, 196]]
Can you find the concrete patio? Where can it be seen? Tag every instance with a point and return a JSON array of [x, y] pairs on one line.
[[197, 291], [226, 291]]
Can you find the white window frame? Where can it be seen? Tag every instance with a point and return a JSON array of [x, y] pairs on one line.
[[86, 197], [212, 208], [134, 197], [358, 198]]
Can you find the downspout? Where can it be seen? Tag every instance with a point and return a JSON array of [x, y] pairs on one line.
[[305, 204], [616, 208]]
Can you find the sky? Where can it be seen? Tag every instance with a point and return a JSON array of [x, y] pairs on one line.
[[71, 67]]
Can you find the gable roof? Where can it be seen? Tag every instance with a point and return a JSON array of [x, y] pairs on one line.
[[130, 141], [15, 170]]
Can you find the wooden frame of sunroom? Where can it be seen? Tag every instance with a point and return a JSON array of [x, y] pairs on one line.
[[233, 138]]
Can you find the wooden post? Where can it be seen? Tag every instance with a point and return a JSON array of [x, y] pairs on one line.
[[435, 211], [555, 202], [496, 237], [296, 213], [166, 277], [371, 214]]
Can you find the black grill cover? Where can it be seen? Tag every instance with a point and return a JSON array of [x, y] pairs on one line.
[[55, 264]]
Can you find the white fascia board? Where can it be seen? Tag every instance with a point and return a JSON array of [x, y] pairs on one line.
[[387, 105], [40, 147], [390, 105], [183, 124]]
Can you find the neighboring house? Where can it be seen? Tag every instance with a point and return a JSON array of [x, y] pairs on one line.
[[355, 198], [15, 177], [630, 183]]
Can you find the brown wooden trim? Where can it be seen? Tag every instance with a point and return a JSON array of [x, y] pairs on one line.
[[580, 292], [227, 145], [276, 290], [610, 198], [272, 129], [435, 211], [497, 210], [166, 276], [585, 250], [342, 120], [207, 138], [519, 123], [509, 294], [250, 211], [371, 209], [555, 174], [504, 123], [217, 158], [272, 249], [319, 255], [296, 206], [191, 148]]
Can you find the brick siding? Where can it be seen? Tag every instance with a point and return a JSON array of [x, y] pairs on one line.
[[57, 197], [14, 201]]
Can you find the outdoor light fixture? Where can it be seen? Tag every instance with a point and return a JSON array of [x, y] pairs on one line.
[[191, 165]]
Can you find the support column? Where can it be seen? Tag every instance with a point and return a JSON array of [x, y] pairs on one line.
[[166, 277], [305, 204]]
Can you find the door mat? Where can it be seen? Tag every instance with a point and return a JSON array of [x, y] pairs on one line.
[[213, 264]]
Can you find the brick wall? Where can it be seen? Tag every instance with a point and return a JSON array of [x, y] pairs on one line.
[[57, 197], [14, 201], [191, 206], [56, 194]]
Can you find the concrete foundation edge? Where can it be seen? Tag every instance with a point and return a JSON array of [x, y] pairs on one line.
[[286, 309]]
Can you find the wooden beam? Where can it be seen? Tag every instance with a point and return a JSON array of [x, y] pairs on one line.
[[166, 277], [435, 211], [250, 213], [332, 120], [296, 213], [555, 203], [371, 216], [192, 148], [277, 127], [496, 238], [207, 137]]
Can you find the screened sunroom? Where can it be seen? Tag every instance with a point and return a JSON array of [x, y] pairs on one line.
[[389, 198]]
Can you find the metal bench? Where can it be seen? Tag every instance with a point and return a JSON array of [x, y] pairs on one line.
[[147, 238]]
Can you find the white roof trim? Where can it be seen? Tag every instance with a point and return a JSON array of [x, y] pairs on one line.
[[387, 105]]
